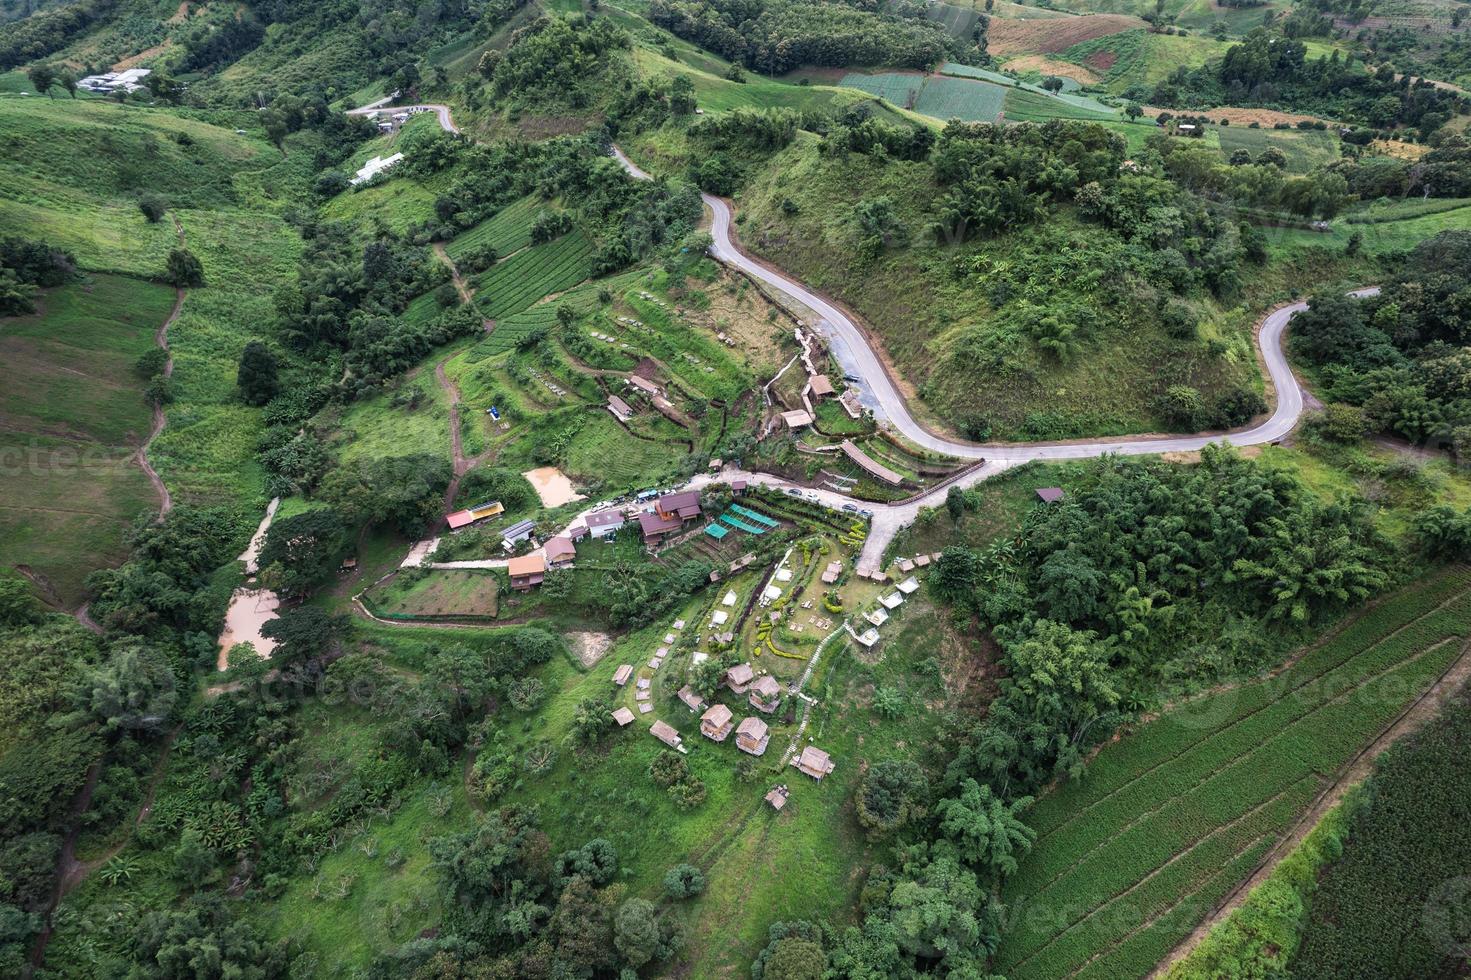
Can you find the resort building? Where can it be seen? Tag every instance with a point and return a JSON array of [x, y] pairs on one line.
[[739, 677], [751, 736], [716, 723], [814, 762], [765, 693], [666, 734]]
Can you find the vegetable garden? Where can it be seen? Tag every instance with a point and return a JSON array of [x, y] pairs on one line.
[[1166, 822]]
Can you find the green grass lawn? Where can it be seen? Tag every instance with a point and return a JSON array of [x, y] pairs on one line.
[[399, 204], [1384, 234], [470, 592], [208, 451], [374, 427], [1169, 819], [71, 415], [604, 450]]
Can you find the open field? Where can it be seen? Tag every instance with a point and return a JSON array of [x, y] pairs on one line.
[[1137, 57], [1008, 38], [1173, 816], [71, 416], [1388, 232], [207, 454], [975, 95], [376, 427], [603, 450], [399, 204], [440, 593]]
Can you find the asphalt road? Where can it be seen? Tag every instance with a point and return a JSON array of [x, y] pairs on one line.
[[857, 357]]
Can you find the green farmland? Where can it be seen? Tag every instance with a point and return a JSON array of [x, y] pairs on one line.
[[975, 99], [514, 285], [1129, 858], [71, 415], [507, 231]]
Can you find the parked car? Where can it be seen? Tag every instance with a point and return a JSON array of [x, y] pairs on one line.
[[793, 492], [851, 508], [866, 512]]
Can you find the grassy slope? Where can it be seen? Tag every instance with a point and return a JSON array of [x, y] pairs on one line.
[[207, 453], [72, 172], [71, 415], [916, 307]]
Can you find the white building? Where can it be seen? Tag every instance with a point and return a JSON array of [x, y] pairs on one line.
[[129, 81], [374, 167]]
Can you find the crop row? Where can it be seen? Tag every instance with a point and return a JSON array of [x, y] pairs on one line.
[[506, 231], [512, 286], [1242, 752], [1137, 954], [1199, 720], [1317, 742], [1250, 734], [1158, 896]]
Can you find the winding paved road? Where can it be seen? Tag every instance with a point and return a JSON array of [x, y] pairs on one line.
[[857, 357]]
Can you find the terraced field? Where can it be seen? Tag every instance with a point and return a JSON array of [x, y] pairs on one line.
[[975, 96], [507, 231], [514, 285], [1168, 820]]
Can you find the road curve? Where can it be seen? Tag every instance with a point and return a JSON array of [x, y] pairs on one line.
[[446, 121], [858, 358]]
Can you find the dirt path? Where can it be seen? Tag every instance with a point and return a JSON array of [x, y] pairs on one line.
[[76, 872], [160, 418], [1355, 771], [454, 271], [462, 464], [84, 616]]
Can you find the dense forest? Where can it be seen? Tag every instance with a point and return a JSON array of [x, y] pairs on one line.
[[1268, 69], [1395, 362], [774, 36]]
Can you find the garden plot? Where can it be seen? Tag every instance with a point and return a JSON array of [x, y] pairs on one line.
[[1167, 821]]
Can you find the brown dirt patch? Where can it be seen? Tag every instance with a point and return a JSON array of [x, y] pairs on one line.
[[1245, 452], [547, 127], [132, 61], [742, 313], [1051, 66], [1266, 118], [589, 648], [1400, 149], [1017, 37], [1102, 60]]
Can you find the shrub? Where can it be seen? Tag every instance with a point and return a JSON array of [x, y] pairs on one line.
[[684, 881]]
